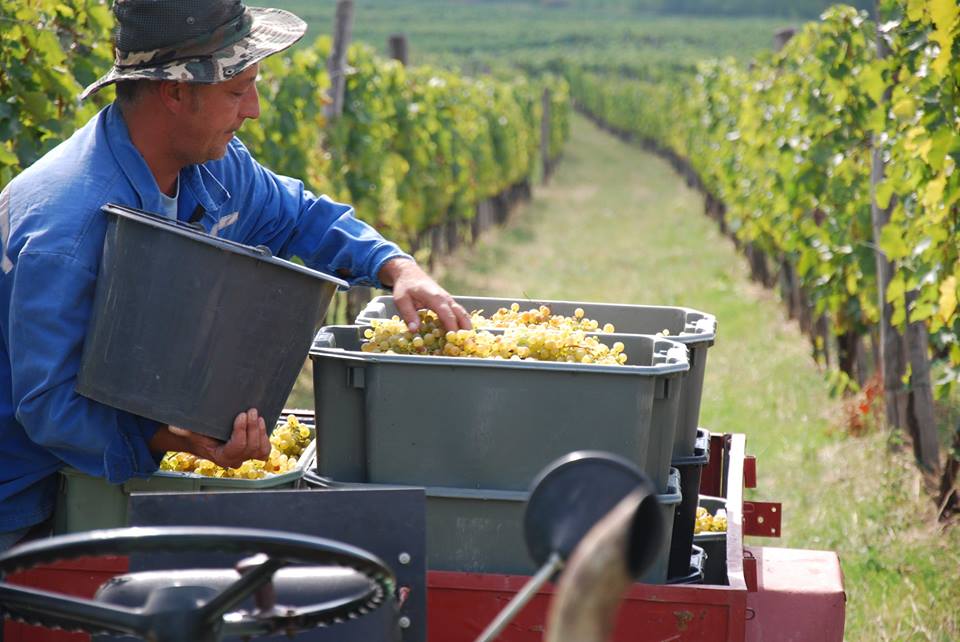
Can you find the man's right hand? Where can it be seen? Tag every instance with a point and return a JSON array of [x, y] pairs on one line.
[[248, 441]]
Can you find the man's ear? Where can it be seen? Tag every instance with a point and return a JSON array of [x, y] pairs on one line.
[[176, 96]]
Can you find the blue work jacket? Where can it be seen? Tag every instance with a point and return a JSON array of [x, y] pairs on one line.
[[52, 234]]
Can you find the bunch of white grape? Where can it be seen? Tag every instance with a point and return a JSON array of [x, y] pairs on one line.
[[292, 438], [287, 443], [707, 523], [542, 316], [393, 336], [521, 343]]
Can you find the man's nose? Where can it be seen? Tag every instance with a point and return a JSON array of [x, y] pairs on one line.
[[250, 107]]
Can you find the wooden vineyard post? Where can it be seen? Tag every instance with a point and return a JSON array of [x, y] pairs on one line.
[[782, 36], [821, 340], [337, 69], [891, 364], [397, 46], [337, 63], [545, 136], [949, 498], [850, 356], [921, 421]]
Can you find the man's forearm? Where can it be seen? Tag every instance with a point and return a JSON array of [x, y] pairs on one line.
[[164, 441]]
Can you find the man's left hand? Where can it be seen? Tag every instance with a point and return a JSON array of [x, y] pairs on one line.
[[414, 289]]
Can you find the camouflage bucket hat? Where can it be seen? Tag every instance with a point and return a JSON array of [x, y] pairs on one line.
[[203, 41]]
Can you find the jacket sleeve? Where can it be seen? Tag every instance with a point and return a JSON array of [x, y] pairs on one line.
[[51, 299], [324, 234]]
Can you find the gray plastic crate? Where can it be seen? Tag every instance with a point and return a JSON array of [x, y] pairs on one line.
[[697, 330], [87, 503], [691, 471], [486, 423], [481, 530]]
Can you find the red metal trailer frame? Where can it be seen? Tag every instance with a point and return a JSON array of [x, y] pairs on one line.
[[771, 593]]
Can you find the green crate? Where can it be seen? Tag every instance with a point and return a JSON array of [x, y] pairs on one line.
[[697, 330], [87, 503], [487, 423], [473, 530], [481, 531]]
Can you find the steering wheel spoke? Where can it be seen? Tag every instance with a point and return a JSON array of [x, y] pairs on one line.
[[233, 595], [64, 611]]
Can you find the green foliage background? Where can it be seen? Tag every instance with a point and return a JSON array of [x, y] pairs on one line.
[[785, 143], [415, 147]]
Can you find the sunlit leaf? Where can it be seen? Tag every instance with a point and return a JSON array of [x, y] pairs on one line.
[[948, 299]]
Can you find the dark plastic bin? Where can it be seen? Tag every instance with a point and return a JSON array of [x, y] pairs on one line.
[[87, 503], [696, 569], [189, 329], [485, 423], [714, 545], [691, 470], [481, 531], [697, 330]]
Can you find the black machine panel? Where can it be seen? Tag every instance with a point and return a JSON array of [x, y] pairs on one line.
[[388, 522]]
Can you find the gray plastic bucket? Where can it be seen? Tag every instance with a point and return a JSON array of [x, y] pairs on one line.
[[189, 329], [697, 330], [486, 423]]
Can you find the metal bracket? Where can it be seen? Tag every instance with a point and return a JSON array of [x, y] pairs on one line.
[[750, 570], [762, 519], [749, 471], [711, 479]]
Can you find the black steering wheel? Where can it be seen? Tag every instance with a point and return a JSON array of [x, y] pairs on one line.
[[209, 618]]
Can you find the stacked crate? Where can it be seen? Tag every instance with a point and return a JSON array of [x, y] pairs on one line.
[[475, 432]]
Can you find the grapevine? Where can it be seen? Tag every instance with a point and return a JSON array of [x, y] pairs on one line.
[[415, 147], [784, 144]]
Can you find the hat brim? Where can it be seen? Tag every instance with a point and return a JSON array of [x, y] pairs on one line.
[[272, 31]]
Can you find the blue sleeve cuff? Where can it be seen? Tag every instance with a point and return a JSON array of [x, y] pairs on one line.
[[128, 454], [380, 255]]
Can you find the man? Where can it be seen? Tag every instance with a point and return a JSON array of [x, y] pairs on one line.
[[187, 81]]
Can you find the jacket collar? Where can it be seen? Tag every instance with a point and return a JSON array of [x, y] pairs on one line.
[[205, 188]]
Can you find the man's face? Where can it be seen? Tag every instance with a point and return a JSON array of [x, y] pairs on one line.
[[216, 113]]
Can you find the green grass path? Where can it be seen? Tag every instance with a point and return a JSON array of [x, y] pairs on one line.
[[617, 224]]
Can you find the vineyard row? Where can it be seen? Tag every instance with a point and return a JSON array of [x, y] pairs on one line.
[[832, 163]]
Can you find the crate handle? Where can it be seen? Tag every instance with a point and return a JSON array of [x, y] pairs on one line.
[[669, 352], [376, 309], [324, 340]]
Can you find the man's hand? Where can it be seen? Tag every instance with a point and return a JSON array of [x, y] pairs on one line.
[[248, 441], [413, 289]]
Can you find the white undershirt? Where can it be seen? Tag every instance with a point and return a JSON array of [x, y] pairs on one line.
[[168, 204]]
